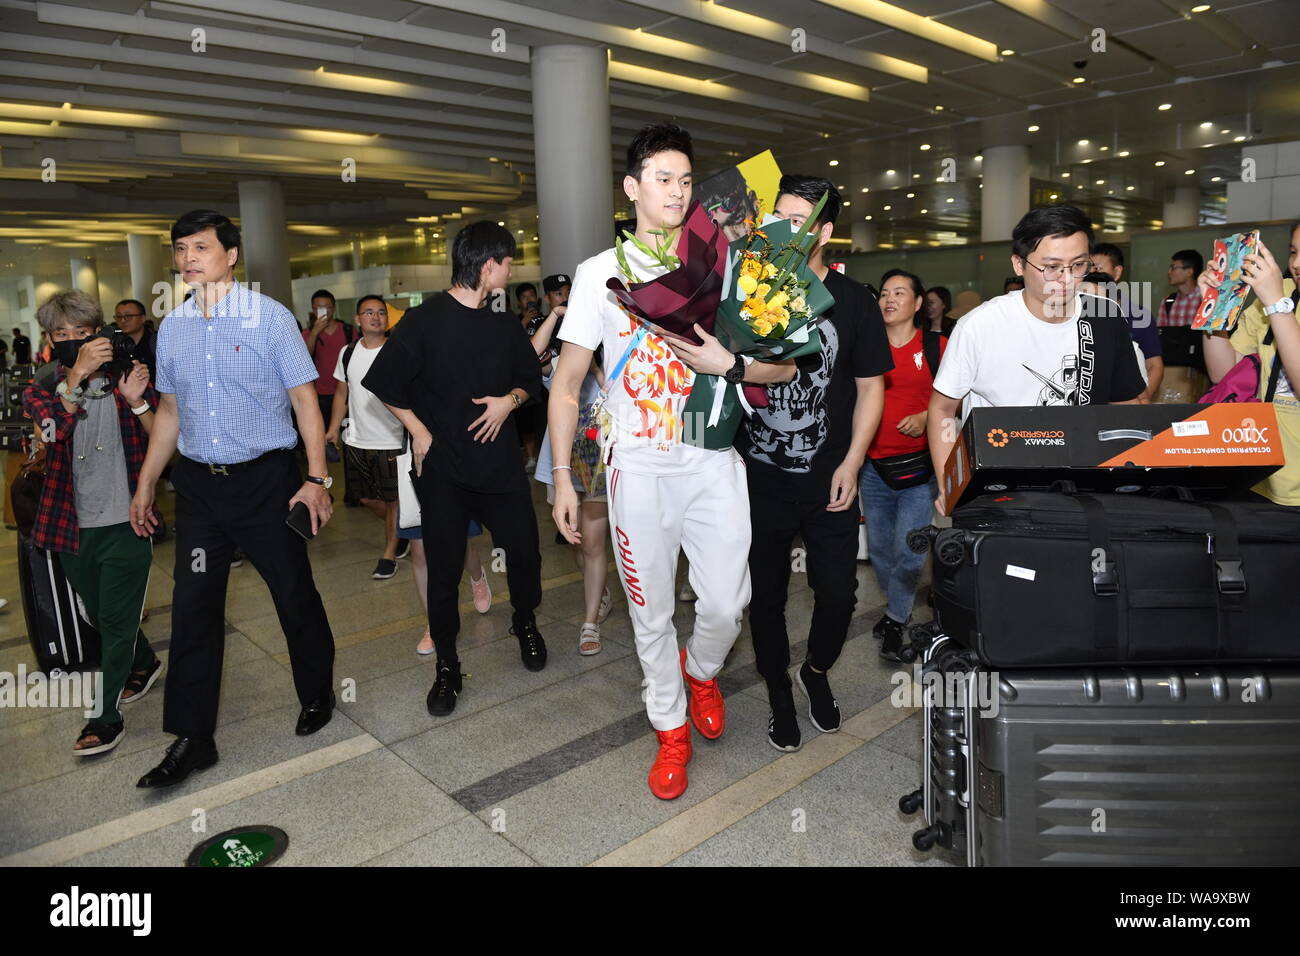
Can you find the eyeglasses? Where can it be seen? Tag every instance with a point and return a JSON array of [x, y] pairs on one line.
[[372, 312], [1052, 273], [128, 315]]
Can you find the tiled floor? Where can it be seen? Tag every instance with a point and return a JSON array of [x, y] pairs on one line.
[[545, 768]]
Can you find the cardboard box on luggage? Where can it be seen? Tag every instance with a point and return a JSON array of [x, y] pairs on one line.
[[1218, 448]]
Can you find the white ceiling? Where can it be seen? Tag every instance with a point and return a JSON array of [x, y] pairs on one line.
[[142, 127]]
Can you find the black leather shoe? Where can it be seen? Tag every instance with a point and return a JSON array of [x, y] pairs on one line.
[[532, 649], [184, 756], [315, 716]]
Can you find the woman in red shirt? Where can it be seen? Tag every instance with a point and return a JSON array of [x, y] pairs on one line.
[[898, 485]]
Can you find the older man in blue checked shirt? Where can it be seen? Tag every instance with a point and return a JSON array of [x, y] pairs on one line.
[[231, 362]]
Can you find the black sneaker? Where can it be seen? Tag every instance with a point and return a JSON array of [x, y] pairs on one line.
[[403, 549], [446, 688], [384, 570], [823, 710], [532, 649], [782, 724], [891, 638]]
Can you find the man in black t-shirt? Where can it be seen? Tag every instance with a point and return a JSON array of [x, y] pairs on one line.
[[804, 453], [22, 348], [452, 372]]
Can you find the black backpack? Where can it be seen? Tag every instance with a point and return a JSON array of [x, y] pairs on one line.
[[1181, 345]]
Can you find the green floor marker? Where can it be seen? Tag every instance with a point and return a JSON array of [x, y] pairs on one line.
[[242, 846]]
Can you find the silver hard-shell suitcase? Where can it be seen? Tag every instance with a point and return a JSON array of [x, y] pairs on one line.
[[1120, 766]]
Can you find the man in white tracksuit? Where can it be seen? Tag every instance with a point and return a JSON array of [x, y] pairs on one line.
[[665, 495]]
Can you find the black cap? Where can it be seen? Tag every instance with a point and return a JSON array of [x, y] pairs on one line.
[[555, 282]]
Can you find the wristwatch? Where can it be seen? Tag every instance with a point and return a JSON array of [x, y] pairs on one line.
[[327, 482], [71, 394], [1282, 305], [514, 397], [736, 373]]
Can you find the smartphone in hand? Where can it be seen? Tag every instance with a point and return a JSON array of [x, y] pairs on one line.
[[299, 519]]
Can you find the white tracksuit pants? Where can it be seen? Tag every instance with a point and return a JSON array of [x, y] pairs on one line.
[[652, 518]]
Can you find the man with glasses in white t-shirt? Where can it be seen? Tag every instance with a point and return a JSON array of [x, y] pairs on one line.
[[1028, 347]]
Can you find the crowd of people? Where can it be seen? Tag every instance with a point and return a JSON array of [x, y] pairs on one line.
[[440, 421]]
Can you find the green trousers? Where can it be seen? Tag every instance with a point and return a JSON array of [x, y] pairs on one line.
[[110, 571]]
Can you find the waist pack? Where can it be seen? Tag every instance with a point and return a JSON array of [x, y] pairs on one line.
[[1041, 578], [904, 471]]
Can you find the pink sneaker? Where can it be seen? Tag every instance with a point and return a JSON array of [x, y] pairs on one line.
[[426, 644], [482, 593]]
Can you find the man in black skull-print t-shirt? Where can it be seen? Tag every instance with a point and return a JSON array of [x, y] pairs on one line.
[[803, 453]]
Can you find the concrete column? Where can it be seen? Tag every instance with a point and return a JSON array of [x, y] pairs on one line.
[[1005, 196], [1182, 207], [356, 254], [575, 179], [341, 263], [864, 236], [85, 276], [149, 264], [265, 238]]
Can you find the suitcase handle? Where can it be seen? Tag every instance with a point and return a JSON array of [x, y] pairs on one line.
[[1177, 492], [1105, 577]]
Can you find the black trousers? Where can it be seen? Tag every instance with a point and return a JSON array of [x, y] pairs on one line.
[[445, 513], [214, 515], [831, 543]]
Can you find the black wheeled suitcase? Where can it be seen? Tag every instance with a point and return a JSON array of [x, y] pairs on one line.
[[61, 634], [1042, 579], [1118, 766]]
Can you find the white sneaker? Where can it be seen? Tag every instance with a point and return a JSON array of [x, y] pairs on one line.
[[4, 602], [531, 465], [686, 594]]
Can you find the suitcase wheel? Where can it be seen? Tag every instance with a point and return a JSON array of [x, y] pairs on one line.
[[950, 547], [907, 654], [918, 540], [909, 803], [927, 838]]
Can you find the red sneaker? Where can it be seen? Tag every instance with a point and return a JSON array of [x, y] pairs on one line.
[[668, 773], [708, 711]]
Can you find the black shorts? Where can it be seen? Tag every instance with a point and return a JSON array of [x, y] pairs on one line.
[[375, 472]]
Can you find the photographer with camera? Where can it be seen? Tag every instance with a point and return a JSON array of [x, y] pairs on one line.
[[93, 407]]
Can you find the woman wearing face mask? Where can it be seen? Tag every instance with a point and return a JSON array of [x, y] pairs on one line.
[[898, 484], [1268, 328], [934, 315]]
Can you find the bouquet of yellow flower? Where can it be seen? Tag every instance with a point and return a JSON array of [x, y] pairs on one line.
[[771, 302]]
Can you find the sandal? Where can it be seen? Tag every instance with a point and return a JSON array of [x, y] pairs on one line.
[[606, 605], [589, 640], [108, 735], [138, 684]]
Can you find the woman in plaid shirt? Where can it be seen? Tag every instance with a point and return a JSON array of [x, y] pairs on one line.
[[95, 427]]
